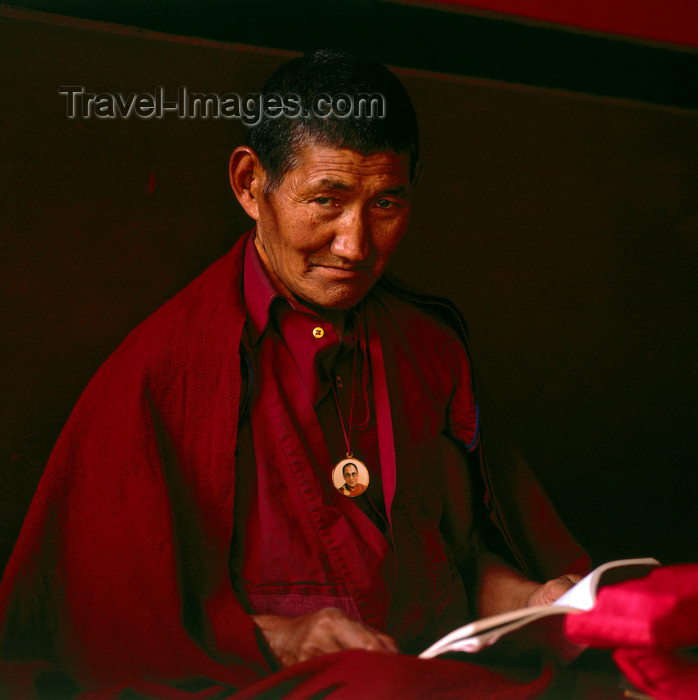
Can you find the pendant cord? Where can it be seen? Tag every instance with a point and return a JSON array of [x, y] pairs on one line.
[[347, 436], [365, 373]]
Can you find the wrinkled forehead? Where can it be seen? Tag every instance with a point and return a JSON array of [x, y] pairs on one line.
[[317, 162]]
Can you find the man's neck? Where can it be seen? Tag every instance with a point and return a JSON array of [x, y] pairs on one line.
[[337, 317]]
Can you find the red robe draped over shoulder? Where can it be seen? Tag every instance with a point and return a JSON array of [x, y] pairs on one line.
[[120, 576]]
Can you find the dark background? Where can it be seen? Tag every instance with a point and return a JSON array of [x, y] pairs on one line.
[[558, 208]]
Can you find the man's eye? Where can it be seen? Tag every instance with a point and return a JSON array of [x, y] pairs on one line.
[[323, 201], [385, 204]]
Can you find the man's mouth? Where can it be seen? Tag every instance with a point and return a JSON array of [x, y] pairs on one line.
[[343, 272]]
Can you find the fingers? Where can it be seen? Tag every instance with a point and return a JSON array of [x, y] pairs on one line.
[[349, 634], [387, 643], [329, 630], [550, 591]]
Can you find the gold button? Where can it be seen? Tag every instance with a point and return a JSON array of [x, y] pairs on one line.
[[318, 332]]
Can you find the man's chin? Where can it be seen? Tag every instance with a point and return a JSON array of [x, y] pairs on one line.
[[339, 298]]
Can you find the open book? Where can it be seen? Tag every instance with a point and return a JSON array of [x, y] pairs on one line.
[[545, 620]]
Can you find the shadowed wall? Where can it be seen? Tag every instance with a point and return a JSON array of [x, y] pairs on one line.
[[564, 227]]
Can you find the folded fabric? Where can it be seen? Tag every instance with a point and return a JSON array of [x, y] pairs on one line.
[[658, 611], [664, 675], [648, 621]]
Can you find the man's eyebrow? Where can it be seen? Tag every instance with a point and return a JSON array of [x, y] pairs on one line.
[[399, 191], [327, 183]]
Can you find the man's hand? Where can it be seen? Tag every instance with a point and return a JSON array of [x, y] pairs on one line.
[[502, 588], [295, 639], [550, 591]]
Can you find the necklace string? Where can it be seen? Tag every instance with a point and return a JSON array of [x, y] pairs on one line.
[[365, 373], [347, 433], [361, 473]]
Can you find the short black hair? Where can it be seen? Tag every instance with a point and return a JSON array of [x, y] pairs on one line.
[[277, 140]]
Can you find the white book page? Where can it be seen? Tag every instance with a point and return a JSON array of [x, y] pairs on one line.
[[583, 594], [476, 636]]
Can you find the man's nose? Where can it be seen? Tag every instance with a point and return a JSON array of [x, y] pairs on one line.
[[352, 239]]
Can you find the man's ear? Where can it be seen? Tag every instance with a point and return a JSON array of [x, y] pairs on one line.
[[247, 177]]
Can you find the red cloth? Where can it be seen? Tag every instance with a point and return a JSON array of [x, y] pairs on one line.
[[361, 675], [120, 576], [647, 621]]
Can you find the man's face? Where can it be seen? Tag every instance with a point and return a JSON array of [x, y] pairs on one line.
[[327, 232], [351, 475]]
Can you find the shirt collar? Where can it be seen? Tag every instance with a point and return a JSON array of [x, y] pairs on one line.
[[259, 294], [311, 338], [258, 291]]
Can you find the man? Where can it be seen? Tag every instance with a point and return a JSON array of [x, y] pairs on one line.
[[187, 536]]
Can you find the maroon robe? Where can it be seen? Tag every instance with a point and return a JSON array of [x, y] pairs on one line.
[[120, 576]]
